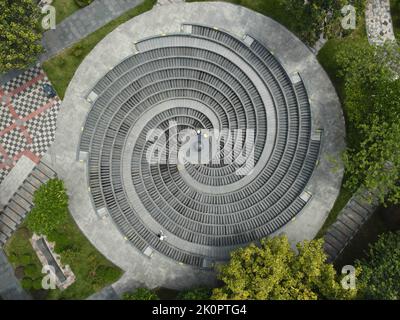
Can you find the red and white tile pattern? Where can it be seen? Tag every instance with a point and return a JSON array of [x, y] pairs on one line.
[[27, 119]]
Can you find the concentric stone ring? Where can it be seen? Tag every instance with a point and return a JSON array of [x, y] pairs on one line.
[[200, 78], [227, 70]]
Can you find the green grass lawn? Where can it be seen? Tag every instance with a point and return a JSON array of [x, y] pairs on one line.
[[92, 270], [270, 8], [64, 8], [61, 68], [25, 261]]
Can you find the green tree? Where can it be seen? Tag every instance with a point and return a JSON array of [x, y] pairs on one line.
[[313, 17], [275, 271], [141, 294], [50, 208], [380, 270], [20, 34], [371, 88]]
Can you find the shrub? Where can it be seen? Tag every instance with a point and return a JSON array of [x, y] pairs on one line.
[[31, 271], [50, 208], [371, 86], [140, 294], [380, 270], [25, 259], [37, 284], [27, 283], [275, 271]]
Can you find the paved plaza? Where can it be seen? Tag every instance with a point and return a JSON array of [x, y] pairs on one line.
[[101, 76], [27, 119]]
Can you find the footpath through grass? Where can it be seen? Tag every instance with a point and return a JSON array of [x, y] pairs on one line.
[[61, 68]]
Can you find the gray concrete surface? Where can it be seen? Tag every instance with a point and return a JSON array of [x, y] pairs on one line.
[[293, 55], [379, 22], [14, 179], [10, 288]]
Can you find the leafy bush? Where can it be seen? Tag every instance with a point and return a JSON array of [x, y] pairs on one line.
[[37, 284], [275, 271], [195, 294], [140, 294], [27, 283], [380, 271], [25, 259], [31, 271], [50, 208], [307, 19], [370, 92]]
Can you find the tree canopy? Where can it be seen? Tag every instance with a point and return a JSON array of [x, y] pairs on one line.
[[371, 88], [275, 271], [380, 270], [311, 18], [20, 34]]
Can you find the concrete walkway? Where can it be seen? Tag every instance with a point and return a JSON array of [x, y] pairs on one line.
[[379, 22], [82, 23], [167, 2], [10, 289]]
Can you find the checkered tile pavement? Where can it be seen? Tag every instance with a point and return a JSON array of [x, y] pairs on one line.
[[27, 119]]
